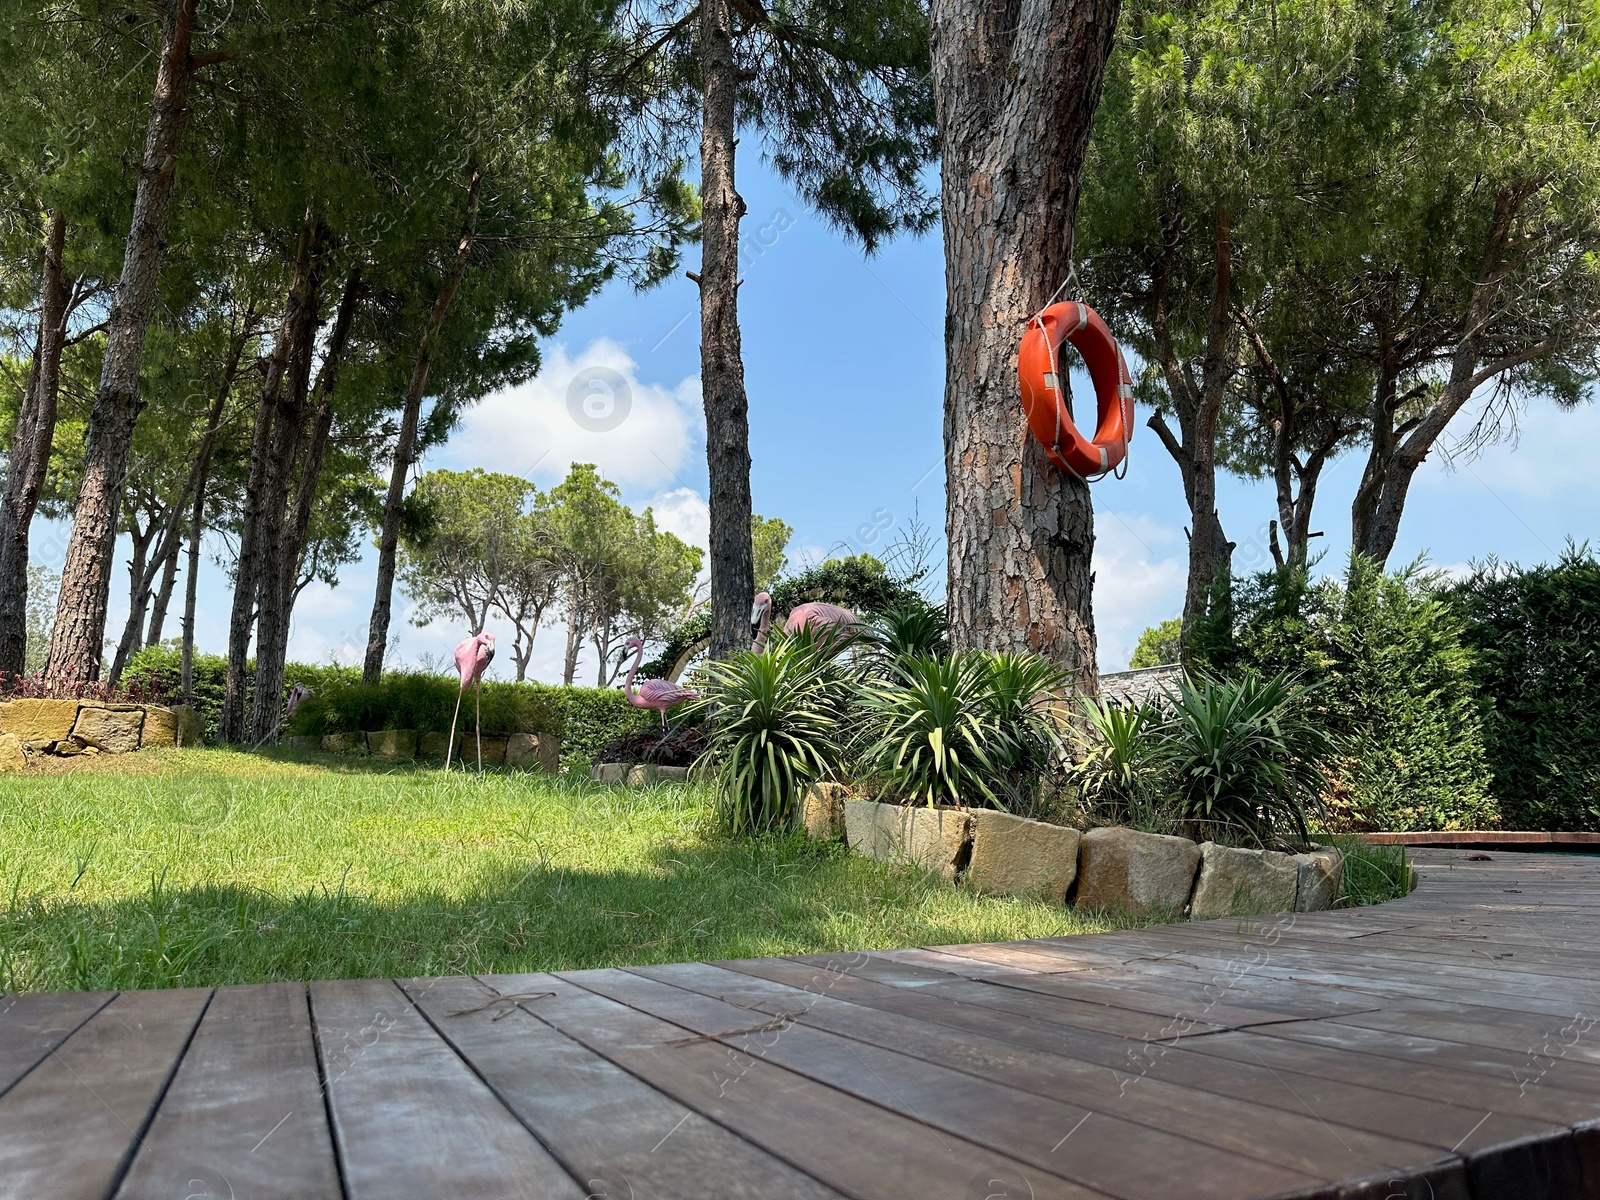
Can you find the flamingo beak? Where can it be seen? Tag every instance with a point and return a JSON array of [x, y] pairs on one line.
[[755, 612]]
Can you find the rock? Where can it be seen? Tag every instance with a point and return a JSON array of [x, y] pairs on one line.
[[673, 774], [37, 723], [116, 731], [191, 725], [303, 741], [1321, 879], [609, 772], [533, 751], [934, 839], [13, 755], [1139, 872], [494, 749], [1012, 856], [432, 745], [822, 811], [160, 727], [643, 775], [344, 743], [392, 743], [1236, 882]]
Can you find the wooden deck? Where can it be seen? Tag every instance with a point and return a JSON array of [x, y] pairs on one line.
[[1443, 1047]]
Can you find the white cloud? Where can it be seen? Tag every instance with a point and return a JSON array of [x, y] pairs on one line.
[[1135, 585], [590, 407], [684, 513]]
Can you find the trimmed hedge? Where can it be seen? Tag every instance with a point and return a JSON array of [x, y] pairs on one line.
[[585, 719], [1390, 661], [1535, 637]]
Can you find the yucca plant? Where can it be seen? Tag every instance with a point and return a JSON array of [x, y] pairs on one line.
[[775, 727], [1247, 755], [1121, 769], [913, 630], [928, 726], [1024, 698]]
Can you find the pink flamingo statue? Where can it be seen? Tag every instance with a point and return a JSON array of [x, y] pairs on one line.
[[298, 695], [658, 694], [473, 657], [828, 623]]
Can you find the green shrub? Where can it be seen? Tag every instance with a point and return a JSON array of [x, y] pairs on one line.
[[928, 728], [1390, 662], [1023, 697], [1535, 638], [162, 667], [1158, 645], [775, 727], [1246, 757], [591, 717], [1374, 874], [1119, 770]]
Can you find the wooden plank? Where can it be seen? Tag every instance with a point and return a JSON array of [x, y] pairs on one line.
[[69, 1127], [1031, 1127], [244, 1115], [618, 1136], [32, 1025], [411, 1120], [1277, 1131], [1349, 1098], [855, 1147]]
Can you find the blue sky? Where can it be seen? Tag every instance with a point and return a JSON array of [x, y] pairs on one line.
[[844, 370]]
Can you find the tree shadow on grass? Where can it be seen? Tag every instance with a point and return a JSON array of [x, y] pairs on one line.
[[733, 899]]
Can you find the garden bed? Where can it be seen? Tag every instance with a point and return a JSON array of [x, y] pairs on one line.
[[1109, 869], [529, 751], [68, 728]]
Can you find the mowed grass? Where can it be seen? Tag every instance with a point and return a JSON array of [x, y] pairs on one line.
[[208, 867]]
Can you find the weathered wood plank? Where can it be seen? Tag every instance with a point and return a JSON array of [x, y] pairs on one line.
[[858, 1148], [69, 1127], [411, 1120], [244, 1115], [617, 1136], [33, 1025]]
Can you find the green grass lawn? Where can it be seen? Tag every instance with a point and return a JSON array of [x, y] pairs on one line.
[[204, 867]]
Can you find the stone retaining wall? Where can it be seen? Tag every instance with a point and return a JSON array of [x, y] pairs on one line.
[[66, 728], [529, 751], [1106, 869]]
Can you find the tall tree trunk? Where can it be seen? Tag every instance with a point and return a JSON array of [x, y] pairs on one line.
[[169, 579], [30, 450], [248, 568], [80, 621], [142, 567], [1016, 88], [406, 444], [1197, 404], [721, 355], [569, 663], [274, 584], [1393, 459], [278, 584]]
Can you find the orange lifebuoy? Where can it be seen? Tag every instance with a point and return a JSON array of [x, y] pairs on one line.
[[1044, 397]]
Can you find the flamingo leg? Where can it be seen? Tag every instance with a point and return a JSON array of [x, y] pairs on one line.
[[451, 743], [477, 694]]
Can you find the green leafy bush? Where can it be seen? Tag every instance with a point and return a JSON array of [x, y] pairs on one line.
[[1246, 757], [1119, 770], [160, 668], [1158, 645], [1534, 634], [909, 629], [1023, 694], [1390, 661], [407, 700], [775, 727], [592, 717]]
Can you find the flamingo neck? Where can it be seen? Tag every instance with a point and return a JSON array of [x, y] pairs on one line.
[[627, 686], [760, 645]]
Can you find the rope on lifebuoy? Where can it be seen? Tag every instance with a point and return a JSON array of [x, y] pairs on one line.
[[1044, 395]]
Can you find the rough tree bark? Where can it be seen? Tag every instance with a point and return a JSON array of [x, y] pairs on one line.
[[170, 548], [80, 620], [288, 428], [247, 572], [30, 449], [1016, 87], [721, 355], [1197, 404], [405, 450], [281, 548]]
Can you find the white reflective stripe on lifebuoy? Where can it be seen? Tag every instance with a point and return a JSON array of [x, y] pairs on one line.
[[1105, 461], [1083, 317], [1050, 381]]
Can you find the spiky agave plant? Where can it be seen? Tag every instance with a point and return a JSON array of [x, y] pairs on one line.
[[1247, 755], [1025, 700], [775, 721], [928, 729], [1120, 767], [910, 630]]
